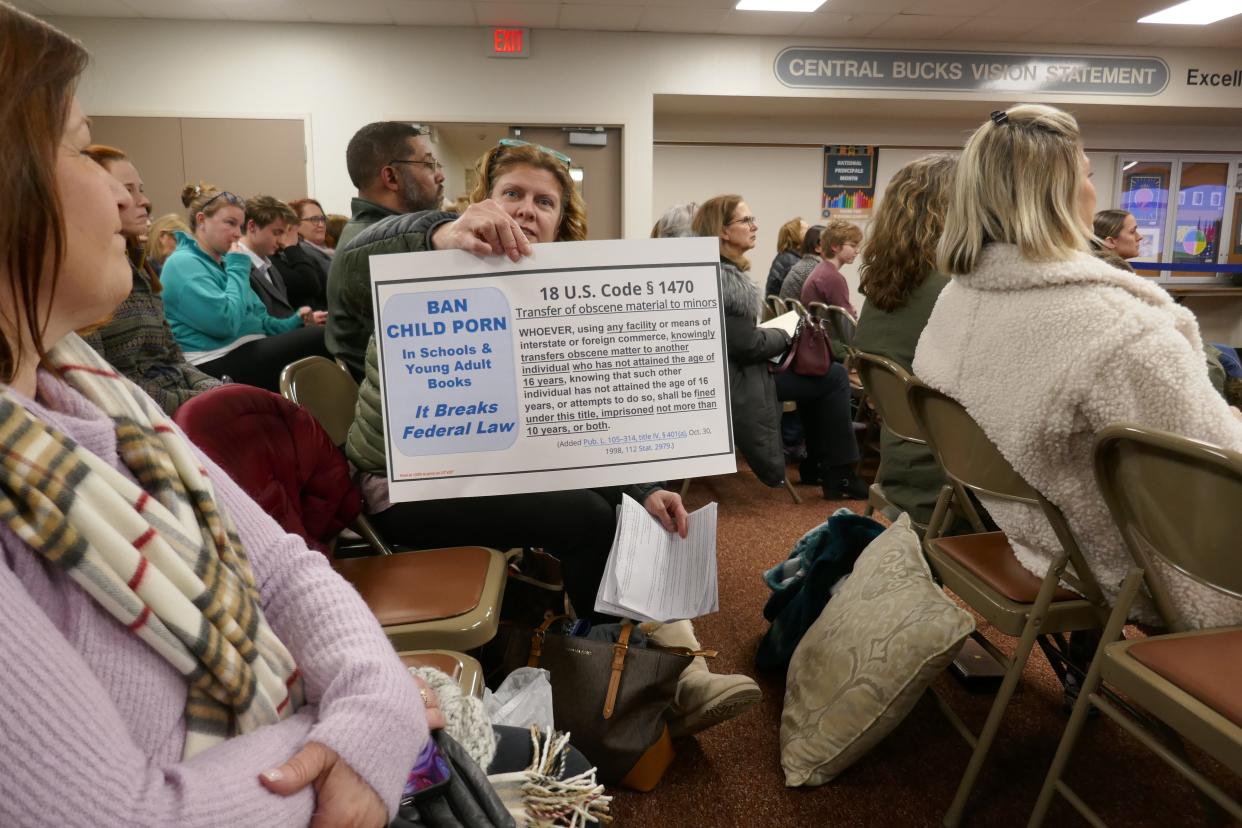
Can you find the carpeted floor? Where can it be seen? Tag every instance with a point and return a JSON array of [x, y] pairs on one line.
[[731, 775]]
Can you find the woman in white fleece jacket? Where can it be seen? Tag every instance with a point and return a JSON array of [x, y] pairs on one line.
[[1045, 345]]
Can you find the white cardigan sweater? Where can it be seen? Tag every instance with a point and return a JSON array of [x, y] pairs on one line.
[[1043, 356]]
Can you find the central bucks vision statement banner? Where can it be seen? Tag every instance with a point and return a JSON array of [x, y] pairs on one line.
[[585, 364]]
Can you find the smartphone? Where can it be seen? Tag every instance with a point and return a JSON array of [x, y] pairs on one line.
[[430, 772]]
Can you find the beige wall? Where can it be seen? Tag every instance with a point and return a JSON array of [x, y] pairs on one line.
[[248, 156], [367, 73]]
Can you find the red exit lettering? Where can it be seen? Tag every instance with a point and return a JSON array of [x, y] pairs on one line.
[[507, 40]]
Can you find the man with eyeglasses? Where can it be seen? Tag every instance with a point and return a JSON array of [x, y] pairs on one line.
[[393, 166]]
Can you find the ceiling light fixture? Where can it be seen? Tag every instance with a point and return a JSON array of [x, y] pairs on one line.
[[1195, 12], [779, 5]]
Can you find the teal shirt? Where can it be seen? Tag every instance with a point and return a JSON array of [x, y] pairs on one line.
[[210, 305]]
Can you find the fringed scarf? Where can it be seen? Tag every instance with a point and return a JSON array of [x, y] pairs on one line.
[[161, 556]]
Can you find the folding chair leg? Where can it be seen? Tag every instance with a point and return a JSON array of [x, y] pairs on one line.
[[789, 487], [938, 513], [1078, 718], [1010, 683]]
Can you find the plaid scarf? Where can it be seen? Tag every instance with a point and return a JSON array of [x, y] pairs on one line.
[[161, 556]]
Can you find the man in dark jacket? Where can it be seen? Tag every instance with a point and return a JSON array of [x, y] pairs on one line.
[[392, 165], [267, 222]]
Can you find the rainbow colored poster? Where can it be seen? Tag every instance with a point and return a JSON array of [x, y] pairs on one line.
[[849, 181]]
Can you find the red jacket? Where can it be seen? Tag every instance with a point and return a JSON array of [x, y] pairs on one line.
[[277, 451]]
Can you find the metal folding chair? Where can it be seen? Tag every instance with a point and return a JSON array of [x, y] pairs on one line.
[[843, 325], [984, 572], [459, 607], [886, 383], [776, 306], [1175, 502]]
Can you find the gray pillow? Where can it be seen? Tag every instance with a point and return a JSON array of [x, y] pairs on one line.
[[865, 661]]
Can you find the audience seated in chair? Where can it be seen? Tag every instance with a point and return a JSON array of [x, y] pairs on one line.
[[161, 240], [898, 277], [812, 255], [287, 702], [755, 392], [268, 222], [789, 241], [839, 243], [1045, 345], [393, 166], [305, 260], [216, 316], [136, 338], [524, 194]]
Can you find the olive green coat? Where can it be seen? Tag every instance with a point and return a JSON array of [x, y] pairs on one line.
[[910, 476]]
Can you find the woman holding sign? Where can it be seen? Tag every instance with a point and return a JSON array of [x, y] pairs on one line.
[[823, 402], [524, 194]]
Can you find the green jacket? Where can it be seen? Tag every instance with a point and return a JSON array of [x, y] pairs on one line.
[[365, 445], [349, 290], [910, 476]]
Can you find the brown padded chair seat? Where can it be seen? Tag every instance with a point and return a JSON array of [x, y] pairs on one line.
[[990, 558], [443, 662], [1207, 666], [413, 587]]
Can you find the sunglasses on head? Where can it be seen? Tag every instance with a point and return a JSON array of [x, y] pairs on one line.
[[236, 201], [518, 142]]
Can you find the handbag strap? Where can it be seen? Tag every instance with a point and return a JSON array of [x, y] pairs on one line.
[[536, 640], [618, 666], [790, 352]]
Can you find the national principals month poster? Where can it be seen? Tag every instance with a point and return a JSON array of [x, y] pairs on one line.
[[585, 364]]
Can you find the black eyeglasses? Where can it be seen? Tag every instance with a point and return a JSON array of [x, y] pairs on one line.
[[235, 200], [435, 166], [316, 219], [751, 220]]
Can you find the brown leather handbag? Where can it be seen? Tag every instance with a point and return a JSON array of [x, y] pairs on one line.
[[611, 698], [810, 352]]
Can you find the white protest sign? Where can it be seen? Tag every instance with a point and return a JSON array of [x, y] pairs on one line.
[[585, 364]]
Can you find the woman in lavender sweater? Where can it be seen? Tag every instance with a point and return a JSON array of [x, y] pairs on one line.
[[121, 701]]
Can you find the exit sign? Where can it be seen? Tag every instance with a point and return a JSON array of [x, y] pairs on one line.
[[510, 43]]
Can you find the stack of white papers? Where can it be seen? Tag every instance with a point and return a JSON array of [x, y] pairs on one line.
[[654, 575], [787, 322]]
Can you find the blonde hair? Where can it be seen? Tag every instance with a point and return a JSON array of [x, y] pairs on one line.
[[501, 158], [836, 233], [789, 237], [1017, 182], [170, 223], [712, 217], [904, 232]]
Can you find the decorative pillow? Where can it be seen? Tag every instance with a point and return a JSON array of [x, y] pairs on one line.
[[868, 657]]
